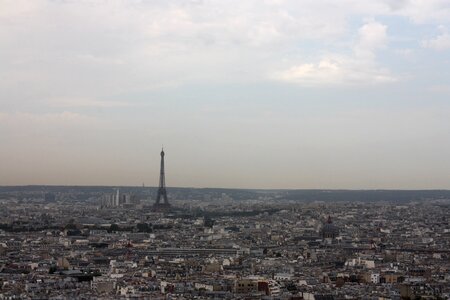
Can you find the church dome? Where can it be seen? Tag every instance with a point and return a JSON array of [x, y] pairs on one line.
[[329, 230]]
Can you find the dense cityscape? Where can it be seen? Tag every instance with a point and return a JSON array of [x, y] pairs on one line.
[[308, 149], [103, 242]]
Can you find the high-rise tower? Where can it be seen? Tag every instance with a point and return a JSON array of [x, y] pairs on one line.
[[162, 192]]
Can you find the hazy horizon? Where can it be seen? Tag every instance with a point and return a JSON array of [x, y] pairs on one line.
[[217, 187], [270, 94]]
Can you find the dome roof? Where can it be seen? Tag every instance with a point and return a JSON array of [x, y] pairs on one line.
[[329, 229]]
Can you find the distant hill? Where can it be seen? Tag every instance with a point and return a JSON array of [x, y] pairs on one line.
[[306, 195]]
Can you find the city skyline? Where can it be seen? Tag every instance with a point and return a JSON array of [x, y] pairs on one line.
[[256, 94]]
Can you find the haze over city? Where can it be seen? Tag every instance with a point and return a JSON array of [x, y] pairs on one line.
[[244, 94]]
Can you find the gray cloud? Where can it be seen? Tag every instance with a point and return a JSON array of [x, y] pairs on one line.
[[89, 89]]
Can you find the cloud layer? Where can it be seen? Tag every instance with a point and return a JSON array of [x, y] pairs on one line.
[[358, 68], [89, 82], [98, 48]]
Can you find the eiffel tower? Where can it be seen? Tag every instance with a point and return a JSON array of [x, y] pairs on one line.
[[162, 204]]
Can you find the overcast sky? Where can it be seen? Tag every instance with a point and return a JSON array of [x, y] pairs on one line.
[[246, 94]]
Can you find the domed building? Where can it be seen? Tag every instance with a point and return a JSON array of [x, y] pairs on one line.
[[329, 230]]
